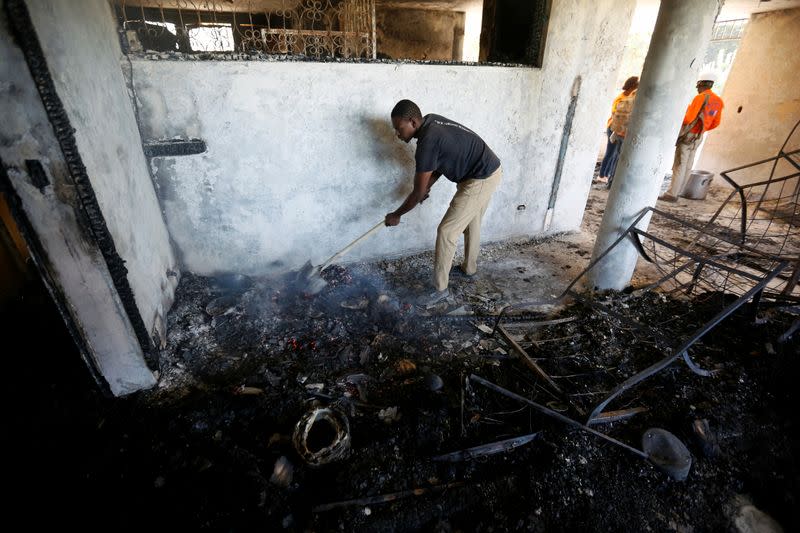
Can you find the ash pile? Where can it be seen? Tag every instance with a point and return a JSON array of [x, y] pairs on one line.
[[354, 408]]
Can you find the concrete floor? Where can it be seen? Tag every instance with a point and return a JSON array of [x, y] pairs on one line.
[[513, 272], [529, 274]]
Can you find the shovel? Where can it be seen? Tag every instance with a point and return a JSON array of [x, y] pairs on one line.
[[309, 276]]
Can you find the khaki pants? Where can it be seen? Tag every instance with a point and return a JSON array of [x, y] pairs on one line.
[[464, 216], [682, 165]]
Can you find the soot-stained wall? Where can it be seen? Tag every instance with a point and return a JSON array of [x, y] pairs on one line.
[[80, 42], [302, 157], [47, 203]]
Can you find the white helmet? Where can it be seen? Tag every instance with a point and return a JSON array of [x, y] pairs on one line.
[[707, 76]]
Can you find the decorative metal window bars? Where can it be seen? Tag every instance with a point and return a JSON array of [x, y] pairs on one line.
[[728, 30], [310, 28]]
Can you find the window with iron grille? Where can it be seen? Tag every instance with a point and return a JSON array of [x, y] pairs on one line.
[[453, 31], [310, 28], [728, 30]]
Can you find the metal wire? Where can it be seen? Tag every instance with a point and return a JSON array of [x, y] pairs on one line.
[[309, 28], [728, 30]]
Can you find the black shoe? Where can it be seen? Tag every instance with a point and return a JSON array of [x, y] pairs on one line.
[[458, 272], [429, 300]]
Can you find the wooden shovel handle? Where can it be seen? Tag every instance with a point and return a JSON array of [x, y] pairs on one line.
[[350, 246]]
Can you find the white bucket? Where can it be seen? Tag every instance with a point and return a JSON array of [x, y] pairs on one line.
[[697, 185]]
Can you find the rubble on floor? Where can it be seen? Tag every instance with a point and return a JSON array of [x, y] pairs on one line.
[[354, 409], [398, 375]]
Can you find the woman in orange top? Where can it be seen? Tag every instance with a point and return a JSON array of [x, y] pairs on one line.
[[609, 165]]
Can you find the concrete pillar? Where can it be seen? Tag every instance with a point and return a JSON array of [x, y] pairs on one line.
[[676, 49]]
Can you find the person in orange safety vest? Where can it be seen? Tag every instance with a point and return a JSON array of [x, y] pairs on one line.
[[703, 114], [609, 165]]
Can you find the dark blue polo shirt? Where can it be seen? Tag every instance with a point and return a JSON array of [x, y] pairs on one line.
[[453, 150]]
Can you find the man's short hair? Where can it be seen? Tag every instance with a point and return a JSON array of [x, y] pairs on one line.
[[406, 109]]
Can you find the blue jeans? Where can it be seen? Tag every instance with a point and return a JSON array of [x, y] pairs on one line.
[[609, 165]]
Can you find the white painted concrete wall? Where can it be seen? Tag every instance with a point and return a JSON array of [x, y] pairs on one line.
[[73, 262], [302, 157], [765, 83], [82, 48]]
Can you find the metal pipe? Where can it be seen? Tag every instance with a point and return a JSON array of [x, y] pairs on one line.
[[708, 326], [554, 414]]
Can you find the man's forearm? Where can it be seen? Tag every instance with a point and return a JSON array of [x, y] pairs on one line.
[[423, 181], [410, 203]]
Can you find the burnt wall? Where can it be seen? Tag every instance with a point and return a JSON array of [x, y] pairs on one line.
[[45, 186], [302, 158], [80, 43]]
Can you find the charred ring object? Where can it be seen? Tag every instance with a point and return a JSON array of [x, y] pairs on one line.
[[322, 435]]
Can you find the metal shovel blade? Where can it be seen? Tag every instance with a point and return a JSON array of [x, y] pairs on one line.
[[309, 276], [304, 273], [667, 452], [309, 280], [315, 284]]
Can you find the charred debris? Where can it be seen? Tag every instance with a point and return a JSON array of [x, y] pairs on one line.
[[355, 407]]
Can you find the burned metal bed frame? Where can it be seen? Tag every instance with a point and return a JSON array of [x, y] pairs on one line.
[[750, 263], [684, 261], [792, 157]]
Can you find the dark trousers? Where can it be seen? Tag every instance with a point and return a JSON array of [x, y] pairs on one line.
[[609, 165]]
